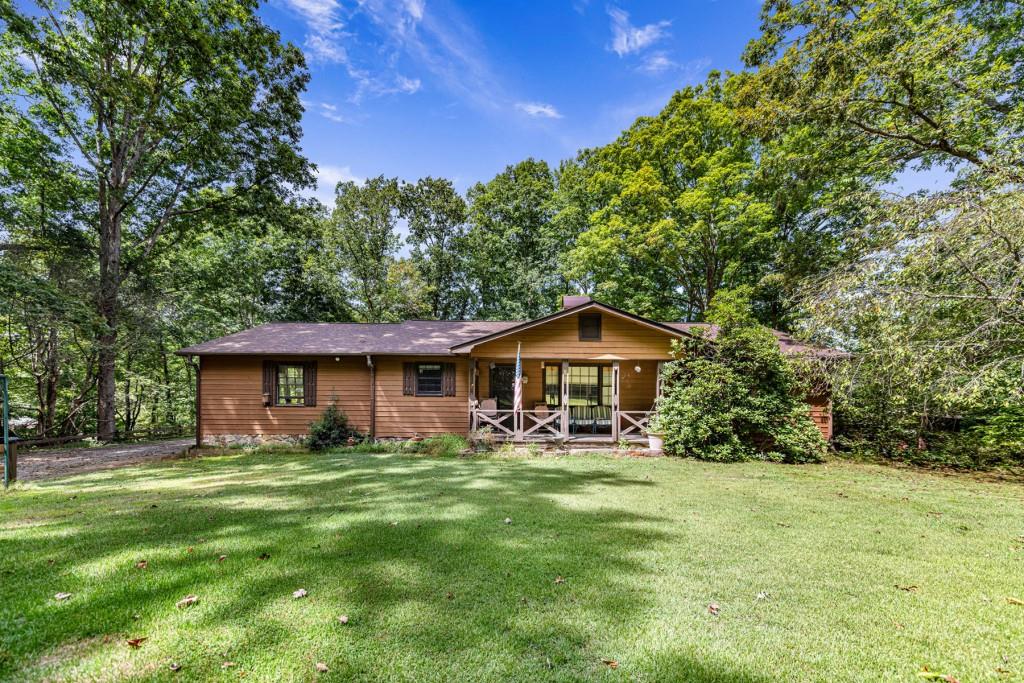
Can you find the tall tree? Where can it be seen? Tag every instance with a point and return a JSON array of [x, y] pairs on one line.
[[925, 81], [514, 246], [155, 104], [361, 248], [436, 215]]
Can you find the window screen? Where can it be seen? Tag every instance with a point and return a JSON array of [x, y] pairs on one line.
[[590, 327], [428, 379], [552, 385], [291, 385]]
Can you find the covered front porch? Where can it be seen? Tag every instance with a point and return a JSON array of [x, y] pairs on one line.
[[583, 402]]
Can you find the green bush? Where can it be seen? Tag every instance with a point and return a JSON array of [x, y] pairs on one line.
[[737, 397], [441, 445], [330, 430]]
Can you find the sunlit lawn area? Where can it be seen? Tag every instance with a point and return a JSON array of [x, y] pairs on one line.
[[606, 571]]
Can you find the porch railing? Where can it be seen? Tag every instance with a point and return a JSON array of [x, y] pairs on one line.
[[500, 422], [633, 422], [541, 423]]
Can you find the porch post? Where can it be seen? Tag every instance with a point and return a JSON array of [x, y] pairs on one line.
[[615, 400], [657, 382], [565, 399]]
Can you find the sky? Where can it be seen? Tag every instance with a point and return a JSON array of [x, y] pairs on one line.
[[411, 88]]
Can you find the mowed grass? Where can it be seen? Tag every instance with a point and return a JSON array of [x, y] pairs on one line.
[[824, 573]]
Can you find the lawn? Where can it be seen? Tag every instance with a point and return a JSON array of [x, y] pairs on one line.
[[606, 571]]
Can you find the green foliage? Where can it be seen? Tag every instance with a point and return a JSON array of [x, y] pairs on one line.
[[330, 429], [737, 397], [448, 445]]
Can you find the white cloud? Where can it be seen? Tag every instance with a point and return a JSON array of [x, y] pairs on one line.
[[627, 38], [328, 177], [408, 85], [331, 113], [657, 63], [538, 110]]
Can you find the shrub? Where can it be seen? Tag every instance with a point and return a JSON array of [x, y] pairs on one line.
[[737, 397], [330, 430], [440, 445]]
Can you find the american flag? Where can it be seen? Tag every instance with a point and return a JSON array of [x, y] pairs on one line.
[[517, 397]]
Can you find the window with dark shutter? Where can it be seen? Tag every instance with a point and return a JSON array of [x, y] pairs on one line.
[[590, 326], [291, 384], [269, 369], [429, 379], [309, 383]]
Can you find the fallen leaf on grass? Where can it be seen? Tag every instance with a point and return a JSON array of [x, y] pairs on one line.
[[174, 666], [909, 589], [1015, 601], [508, 520], [559, 579], [186, 601], [610, 663], [936, 676], [228, 665], [763, 595], [264, 556], [135, 643], [301, 593], [714, 609], [62, 596], [321, 667], [141, 564], [222, 558], [450, 595], [343, 619]]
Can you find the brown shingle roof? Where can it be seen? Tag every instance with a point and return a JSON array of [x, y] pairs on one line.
[[420, 337], [786, 342]]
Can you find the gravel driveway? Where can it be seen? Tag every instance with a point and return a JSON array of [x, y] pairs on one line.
[[47, 464]]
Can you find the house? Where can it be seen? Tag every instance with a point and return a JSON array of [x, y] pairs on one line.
[[590, 372]]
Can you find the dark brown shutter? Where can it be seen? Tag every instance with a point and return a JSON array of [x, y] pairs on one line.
[[309, 382], [269, 382], [448, 379], [409, 379]]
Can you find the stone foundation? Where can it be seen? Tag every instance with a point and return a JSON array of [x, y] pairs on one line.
[[251, 440]]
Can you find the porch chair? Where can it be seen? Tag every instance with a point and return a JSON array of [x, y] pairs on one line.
[[602, 417], [579, 416]]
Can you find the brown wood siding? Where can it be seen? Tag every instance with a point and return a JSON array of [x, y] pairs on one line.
[[405, 416], [231, 396], [621, 339], [821, 413], [637, 391]]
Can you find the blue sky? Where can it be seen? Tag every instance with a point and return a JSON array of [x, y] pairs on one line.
[[410, 88]]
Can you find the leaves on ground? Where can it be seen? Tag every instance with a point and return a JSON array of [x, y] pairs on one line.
[[321, 667], [714, 609], [136, 643], [141, 564], [1015, 601], [174, 666], [936, 676], [61, 596], [301, 593], [559, 579], [909, 589], [343, 619], [222, 558], [228, 665], [186, 601], [610, 663], [508, 520], [264, 556]]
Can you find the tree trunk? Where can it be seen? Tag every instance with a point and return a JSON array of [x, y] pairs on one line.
[[107, 307]]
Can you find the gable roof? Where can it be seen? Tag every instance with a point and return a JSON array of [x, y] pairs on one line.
[[572, 310], [418, 337], [787, 343]]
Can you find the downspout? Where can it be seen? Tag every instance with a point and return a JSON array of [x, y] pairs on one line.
[[197, 366], [373, 396]]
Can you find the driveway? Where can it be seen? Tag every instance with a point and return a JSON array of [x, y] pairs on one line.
[[48, 464]]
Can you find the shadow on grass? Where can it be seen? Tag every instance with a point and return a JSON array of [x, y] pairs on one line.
[[415, 550]]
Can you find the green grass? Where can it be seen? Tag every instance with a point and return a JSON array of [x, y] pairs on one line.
[[437, 587]]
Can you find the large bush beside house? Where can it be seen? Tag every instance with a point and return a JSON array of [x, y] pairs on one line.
[[737, 397], [330, 429]]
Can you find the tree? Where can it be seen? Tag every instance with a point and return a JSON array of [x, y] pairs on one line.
[[925, 81], [167, 110], [677, 214], [513, 245], [932, 307], [736, 397], [361, 244], [437, 215]]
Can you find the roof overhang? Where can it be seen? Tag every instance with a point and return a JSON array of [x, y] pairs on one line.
[[466, 347]]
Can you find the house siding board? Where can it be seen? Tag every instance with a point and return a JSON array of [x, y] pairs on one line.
[[621, 339], [821, 414], [402, 416], [231, 397]]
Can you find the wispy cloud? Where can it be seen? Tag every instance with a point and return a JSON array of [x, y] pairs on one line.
[[538, 110], [627, 38], [331, 113], [657, 63], [328, 177]]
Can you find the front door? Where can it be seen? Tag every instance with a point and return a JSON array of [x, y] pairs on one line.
[[503, 379]]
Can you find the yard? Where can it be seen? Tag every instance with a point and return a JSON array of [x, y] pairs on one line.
[[511, 569]]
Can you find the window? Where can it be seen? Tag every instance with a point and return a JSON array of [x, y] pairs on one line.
[[289, 384], [553, 385], [291, 390], [590, 326], [428, 379]]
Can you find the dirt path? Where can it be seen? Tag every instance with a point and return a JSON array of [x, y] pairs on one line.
[[36, 465]]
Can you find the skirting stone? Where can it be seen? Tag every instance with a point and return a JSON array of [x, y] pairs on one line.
[[249, 440]]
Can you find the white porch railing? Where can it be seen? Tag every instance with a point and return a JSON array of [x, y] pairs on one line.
[[633, 422], [541, 423], [500, 422]]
